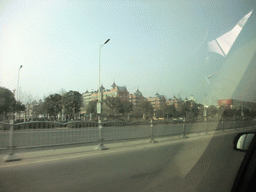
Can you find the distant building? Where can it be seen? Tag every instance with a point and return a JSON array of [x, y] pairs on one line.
[[86, 98], [176, 102], [192, 98], [94, 95], [115, 91], [237, 104], [157, 101], [136, 98]]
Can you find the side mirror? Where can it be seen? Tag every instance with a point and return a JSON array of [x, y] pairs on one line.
[[243, 141]]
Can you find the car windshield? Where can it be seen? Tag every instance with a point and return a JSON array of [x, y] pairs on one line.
[[124, 95]]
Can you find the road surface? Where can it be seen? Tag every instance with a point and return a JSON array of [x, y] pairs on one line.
[[206, 163]]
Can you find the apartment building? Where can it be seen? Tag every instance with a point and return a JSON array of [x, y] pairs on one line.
[[157, 101], [136, 98]]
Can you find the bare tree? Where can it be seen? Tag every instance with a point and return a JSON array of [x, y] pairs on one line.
[[28, 99]]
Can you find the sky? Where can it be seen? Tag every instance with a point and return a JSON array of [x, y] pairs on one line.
[[154, 46]]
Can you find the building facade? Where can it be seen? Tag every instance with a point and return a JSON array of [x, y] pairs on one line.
[[157, 101], [237, 104], [136, 98], [86, 98], [115, 91], [176, 102]]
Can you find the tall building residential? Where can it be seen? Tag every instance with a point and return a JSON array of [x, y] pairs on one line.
[[115, 91], [157, 101], [176, 102], [136, 98], [86, 98]]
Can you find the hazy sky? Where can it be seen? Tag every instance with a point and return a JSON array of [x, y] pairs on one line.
[[153, 46]]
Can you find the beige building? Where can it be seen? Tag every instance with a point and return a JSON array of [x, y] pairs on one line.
[[136, 98], [176, 102], [115, 91], [157, 101], [86, 98]]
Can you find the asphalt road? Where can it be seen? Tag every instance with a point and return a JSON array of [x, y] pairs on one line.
[[206, 164], [58, 136]]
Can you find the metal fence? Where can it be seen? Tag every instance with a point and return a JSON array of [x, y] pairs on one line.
[[47, 133]]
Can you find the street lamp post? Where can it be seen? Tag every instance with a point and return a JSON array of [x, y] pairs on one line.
[[100, 146], [18, 83], [205, 110], [204, 98], [17, 95]]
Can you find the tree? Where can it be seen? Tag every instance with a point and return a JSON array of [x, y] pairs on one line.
[[53, 104], [211, 111], [190, 110], [146, 108], [187, 108], [127, 107], [72, 101], [226, 111], [221, 110], [19, 107], [39, 109], [28, 99], [200, 109], [197, 109], [169, 110], [137, 112], [160, 112], [7, 102], [92, 108], [230, 112], [113, 106]]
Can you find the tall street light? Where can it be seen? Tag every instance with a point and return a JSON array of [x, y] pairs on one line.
[[204, 98], [17, 96], [100, 146], [18, 83], [205, 111]]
